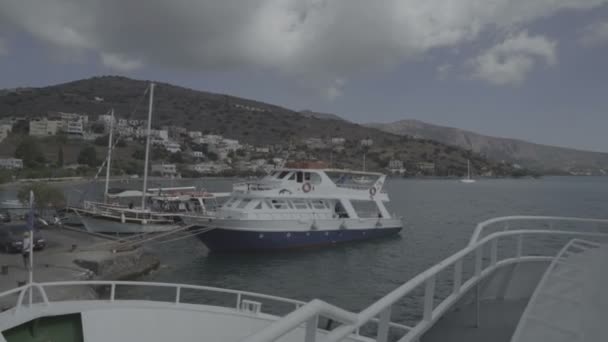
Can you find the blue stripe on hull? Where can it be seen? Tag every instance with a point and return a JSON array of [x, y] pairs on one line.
[[229, 240]]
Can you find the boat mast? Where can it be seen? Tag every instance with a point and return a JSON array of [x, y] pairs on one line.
[[363, 160], [143, 193], [109, 158]]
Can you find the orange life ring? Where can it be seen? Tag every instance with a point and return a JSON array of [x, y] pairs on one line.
[[306, 187], [372, 191]]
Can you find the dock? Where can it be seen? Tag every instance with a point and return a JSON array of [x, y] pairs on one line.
[[71, 254]]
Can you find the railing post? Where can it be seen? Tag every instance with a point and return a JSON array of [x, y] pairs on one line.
[[112, 292], [178, 293], [384, 325], [457, 276], [238, 301], [311, 329], [478, 260], [429, 296], [520, 243], [493, 251]]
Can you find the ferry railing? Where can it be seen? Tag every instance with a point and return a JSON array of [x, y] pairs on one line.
[[509, 223], [432, 310], [114, 285]]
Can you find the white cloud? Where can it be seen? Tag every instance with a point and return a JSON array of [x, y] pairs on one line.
[[510, 61], [316, 39], [3, 47], [119, 62], [595, 34]]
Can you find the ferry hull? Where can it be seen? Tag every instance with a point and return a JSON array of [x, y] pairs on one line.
[[231, 240]]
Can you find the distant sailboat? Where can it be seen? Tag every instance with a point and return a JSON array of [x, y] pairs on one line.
[[468, 179]]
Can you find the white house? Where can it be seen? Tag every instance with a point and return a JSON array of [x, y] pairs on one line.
[[197, 154], [263, 150], [5, 129], [209, 167], [106, 119], [172, 146], [338, 141], [165, 169], [44, 127], [195, 134], [11, 163], [367, 142]]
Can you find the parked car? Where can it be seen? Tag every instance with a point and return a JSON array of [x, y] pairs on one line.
[[11, 238], [5, 217]]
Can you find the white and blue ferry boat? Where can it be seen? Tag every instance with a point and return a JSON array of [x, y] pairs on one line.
[[300, 207]]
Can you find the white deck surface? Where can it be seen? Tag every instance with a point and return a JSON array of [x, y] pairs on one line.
[[571, 304]]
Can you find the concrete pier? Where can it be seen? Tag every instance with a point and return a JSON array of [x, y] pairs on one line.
[[71, 255]]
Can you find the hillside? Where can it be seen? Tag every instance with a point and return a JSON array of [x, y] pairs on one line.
[[249, 121], [535, 156]]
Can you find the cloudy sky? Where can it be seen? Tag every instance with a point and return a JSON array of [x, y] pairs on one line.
[[530, 69]]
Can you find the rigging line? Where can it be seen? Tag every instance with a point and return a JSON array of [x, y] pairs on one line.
[[101, 167]]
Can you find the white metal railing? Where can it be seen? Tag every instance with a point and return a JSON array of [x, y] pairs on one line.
[[113, 285], [508, 222], [381, 310]]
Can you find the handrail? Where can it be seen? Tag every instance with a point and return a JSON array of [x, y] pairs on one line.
[[21, 291], [304, 314], [483, 225]]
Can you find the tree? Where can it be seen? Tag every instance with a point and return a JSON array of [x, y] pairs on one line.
[[102, 140], [88, 156], [176, 157], [98, 127], [60, 157], [212, 156], [30, 152], [45, 196], [139, 154]]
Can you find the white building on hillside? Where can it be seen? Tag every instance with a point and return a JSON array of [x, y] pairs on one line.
[[5, 129], [195, 134], [165, 170], [367, 142], [11, 163], [172, 146], [197, 154], [44, 127], [209, 167]]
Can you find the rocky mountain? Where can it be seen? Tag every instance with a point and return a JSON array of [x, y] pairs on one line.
[[535, 156], [311, 114], [249, 121]]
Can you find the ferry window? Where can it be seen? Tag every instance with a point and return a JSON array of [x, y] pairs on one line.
[[299, 204], [230, 202], [283, 174], [315, 178], [279, 204], [307, 176], [318, 204], [340, 211], [259, 206], [293, 177], [300, 177], [244, 203]]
